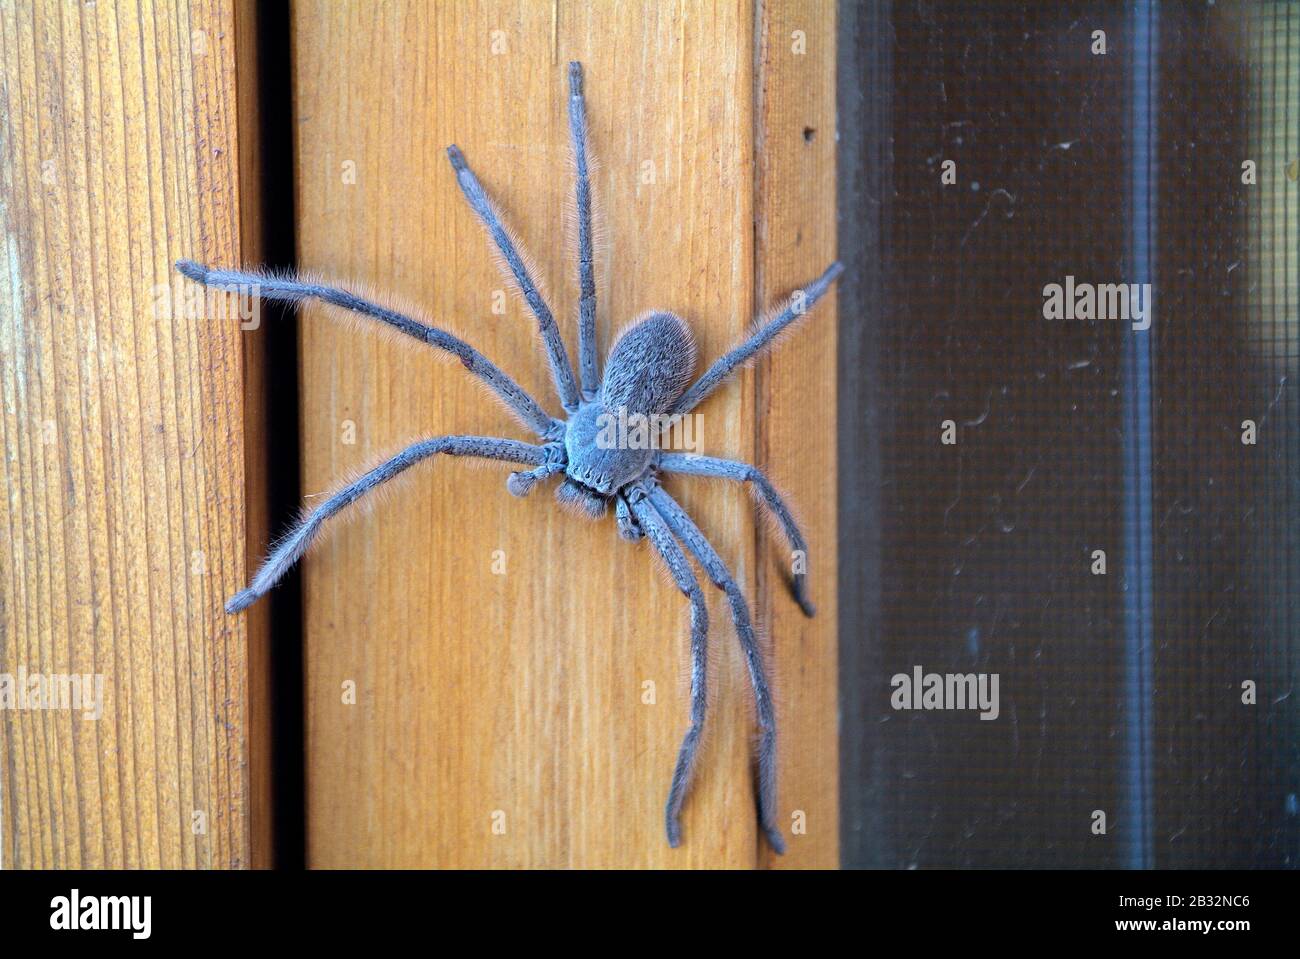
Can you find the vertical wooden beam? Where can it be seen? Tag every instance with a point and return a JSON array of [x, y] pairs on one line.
[[794, 219], [121, 423], [520, 673]]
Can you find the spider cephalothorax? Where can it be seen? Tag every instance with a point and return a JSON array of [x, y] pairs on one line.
[[648, 375]]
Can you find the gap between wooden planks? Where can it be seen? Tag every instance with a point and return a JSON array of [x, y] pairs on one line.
[[500, 648]]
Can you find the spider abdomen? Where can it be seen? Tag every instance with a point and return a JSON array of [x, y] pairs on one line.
[[650, 365]]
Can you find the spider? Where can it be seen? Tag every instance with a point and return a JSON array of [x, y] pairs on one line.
[[648, 372]]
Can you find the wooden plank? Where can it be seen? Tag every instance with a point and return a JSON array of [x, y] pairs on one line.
[[796, 398], [500, 648], [121, 425]]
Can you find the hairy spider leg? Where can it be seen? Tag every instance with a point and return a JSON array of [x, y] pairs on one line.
[[627, 525], [795, 307], [482, 205], [679, 566], [712, 466], [287, 289], [685, 529], [294, 543], [586, 269]]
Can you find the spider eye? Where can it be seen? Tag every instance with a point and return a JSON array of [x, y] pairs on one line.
[[650, 365]]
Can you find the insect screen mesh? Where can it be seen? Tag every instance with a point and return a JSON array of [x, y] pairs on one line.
[[1103, 516]]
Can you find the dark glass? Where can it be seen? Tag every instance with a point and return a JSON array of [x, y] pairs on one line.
[[1120, 692]]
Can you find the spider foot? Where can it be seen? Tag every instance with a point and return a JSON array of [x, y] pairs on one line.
[[674, 829], [775, 839], [801, 596], [194, 271], [242, 600], [457, 158]]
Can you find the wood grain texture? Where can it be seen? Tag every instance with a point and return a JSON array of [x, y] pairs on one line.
[[514, 698], [795, 428], [121, 423]]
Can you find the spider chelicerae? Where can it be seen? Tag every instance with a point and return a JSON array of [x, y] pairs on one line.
[[648, 373]]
